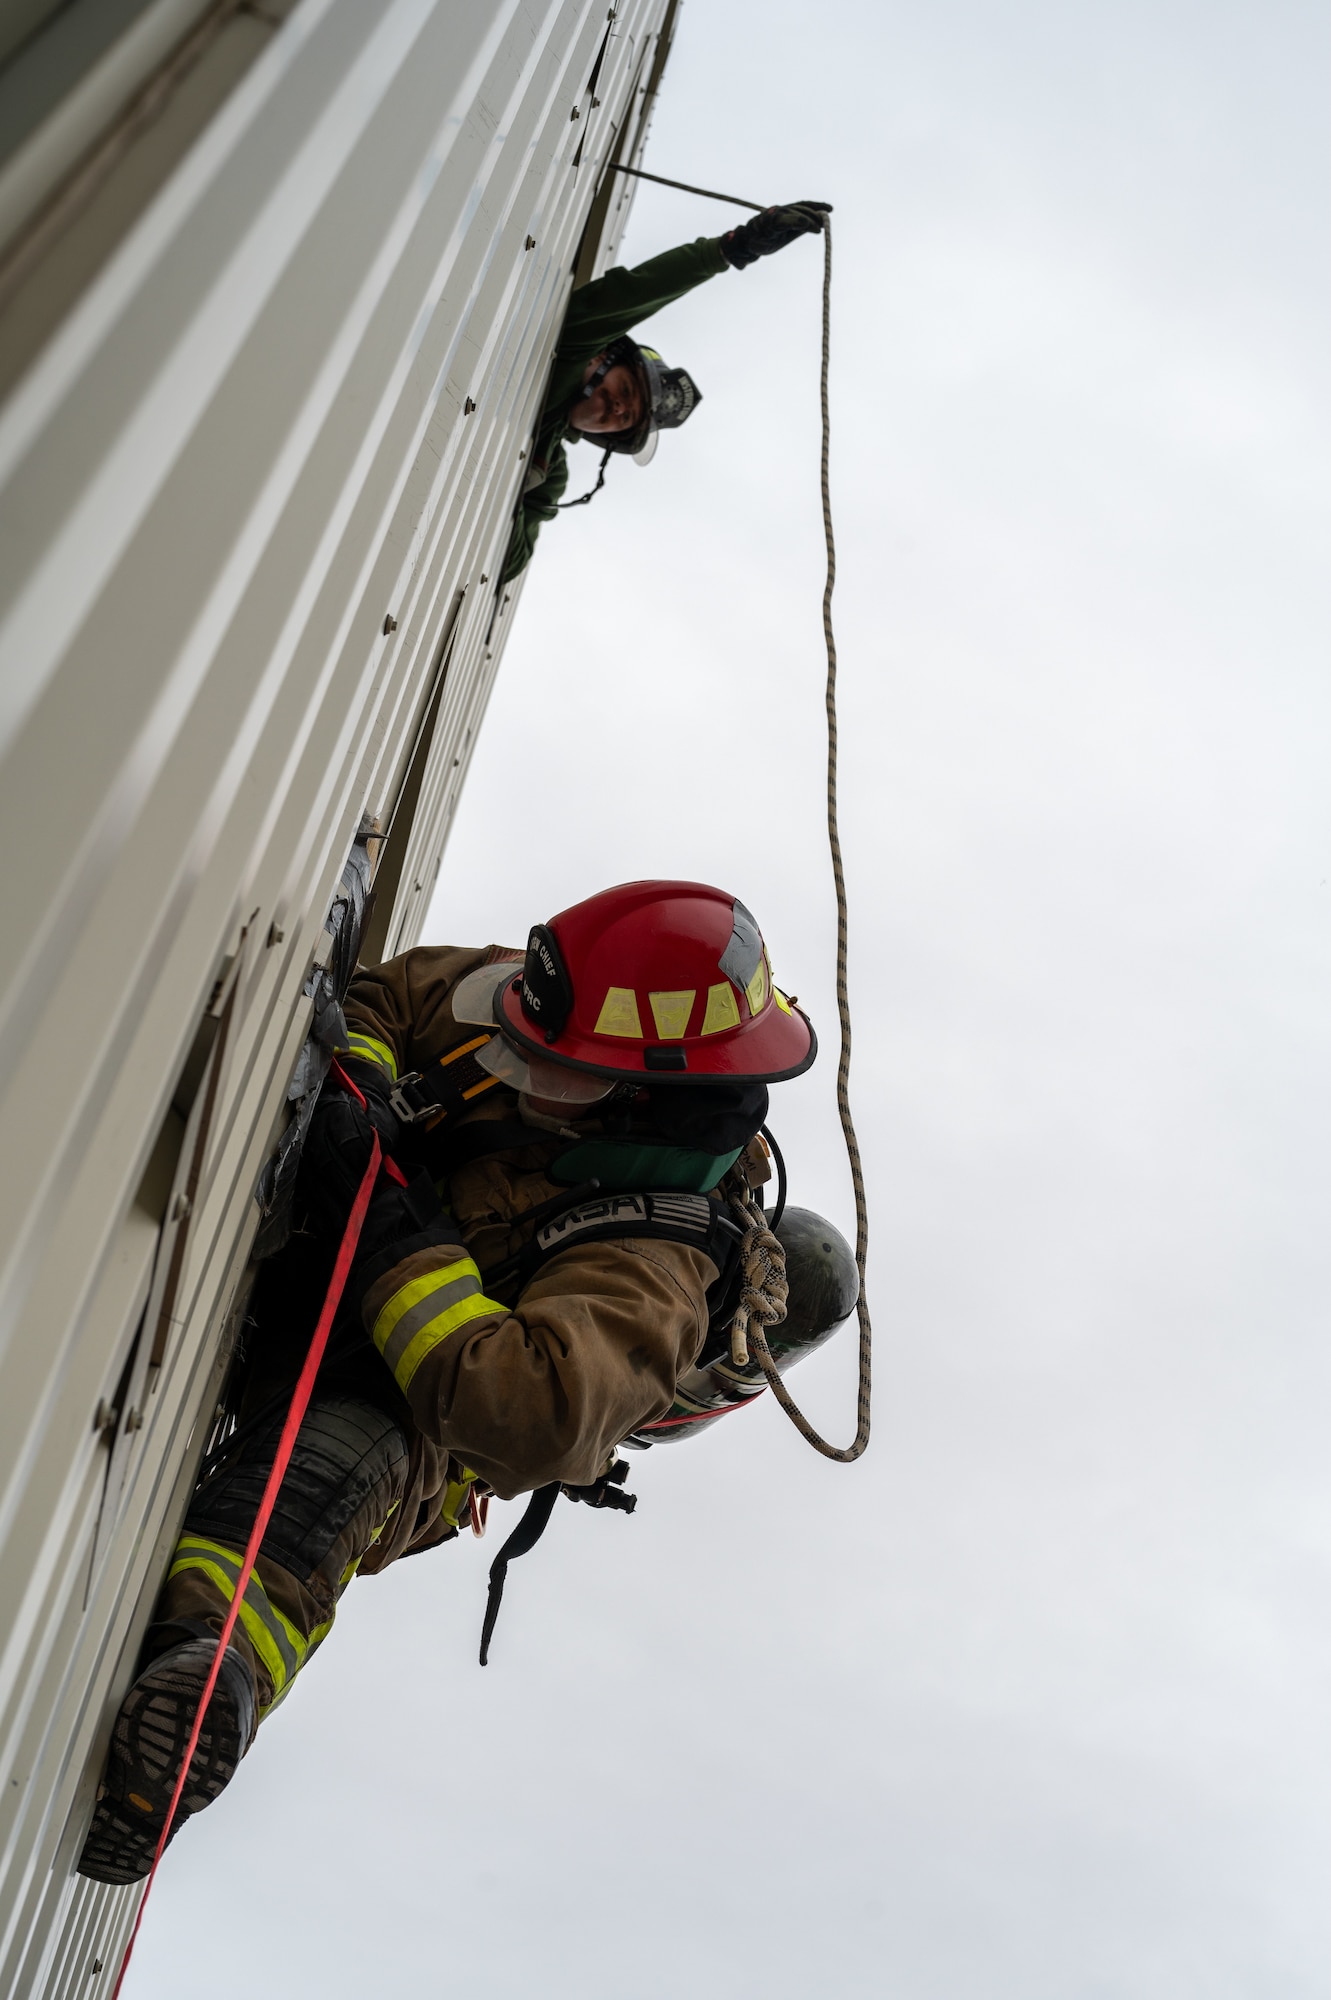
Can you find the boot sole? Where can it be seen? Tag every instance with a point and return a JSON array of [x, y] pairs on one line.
[[147, 1747]]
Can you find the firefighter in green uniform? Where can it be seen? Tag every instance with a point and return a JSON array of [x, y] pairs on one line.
[[606, 388]]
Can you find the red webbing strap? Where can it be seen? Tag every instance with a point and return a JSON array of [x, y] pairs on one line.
[[702, 1416], [286, 1444]]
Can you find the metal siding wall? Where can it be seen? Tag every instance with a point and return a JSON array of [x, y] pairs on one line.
[[246, 445]]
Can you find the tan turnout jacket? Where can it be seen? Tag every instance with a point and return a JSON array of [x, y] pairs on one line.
[[592, 1347]]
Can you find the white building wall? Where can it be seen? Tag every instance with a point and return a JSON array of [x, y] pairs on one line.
[[286, 410]]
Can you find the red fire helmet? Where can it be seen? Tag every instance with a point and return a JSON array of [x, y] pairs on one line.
[[659, 981]]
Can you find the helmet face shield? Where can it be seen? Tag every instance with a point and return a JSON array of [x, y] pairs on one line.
[[474, 1004], [537, 1078], [474, 996]]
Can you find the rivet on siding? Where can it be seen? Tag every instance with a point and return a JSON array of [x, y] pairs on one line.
[[182, 1208], [103, 1417], [390, 623], [275, 935], [530, 243], [595, 102], [574, 113], [485, 579], [468, 407], [134, 1421], [523, 452]]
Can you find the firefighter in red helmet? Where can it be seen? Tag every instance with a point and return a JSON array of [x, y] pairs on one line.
[[543, 1272]]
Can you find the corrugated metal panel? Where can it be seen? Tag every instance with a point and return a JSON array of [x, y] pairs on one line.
[[288, 410]]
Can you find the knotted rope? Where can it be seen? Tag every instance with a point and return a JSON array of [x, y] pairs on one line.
[[764, 1290]]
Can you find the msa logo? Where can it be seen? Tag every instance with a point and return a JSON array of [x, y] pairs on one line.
[[565, 1229]]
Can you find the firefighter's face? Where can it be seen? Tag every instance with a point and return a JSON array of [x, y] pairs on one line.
[[615, 404]]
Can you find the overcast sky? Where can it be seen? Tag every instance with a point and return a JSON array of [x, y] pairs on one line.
[[1034, 1703]]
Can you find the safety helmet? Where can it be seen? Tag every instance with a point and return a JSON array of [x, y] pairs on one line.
[[670, 396], [649, 983]]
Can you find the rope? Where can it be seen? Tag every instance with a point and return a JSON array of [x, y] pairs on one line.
[[286, 1444], [763, 1290], [640, 174], [755, 1322]]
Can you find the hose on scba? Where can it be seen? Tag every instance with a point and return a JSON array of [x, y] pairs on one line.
[[757, 1248]]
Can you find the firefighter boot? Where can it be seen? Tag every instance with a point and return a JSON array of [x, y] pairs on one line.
[[147, 1748]]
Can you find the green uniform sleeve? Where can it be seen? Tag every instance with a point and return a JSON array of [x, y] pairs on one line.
[[598, 313]]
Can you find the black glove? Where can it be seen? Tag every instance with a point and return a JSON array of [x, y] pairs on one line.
[[771, 230]]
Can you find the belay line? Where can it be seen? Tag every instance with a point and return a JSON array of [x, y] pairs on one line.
[[848, 1453], [760, 1244]]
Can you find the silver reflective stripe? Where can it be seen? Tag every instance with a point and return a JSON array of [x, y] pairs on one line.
[[686, 1211], [424, 1310]]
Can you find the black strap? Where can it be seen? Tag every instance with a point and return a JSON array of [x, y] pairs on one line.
[[701, 1221], [592, 491], [524, 1537], [485, 1137]]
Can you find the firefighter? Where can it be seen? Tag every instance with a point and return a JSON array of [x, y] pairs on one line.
[[545, 1272], [606, 388]]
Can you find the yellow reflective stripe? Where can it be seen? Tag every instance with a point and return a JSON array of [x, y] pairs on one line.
[[274, 1638], [462, 1272], [439, 1329], [455, 1497], [426, 1311], [371, 1049]]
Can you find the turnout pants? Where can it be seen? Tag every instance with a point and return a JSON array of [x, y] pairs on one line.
[[345, 1482]]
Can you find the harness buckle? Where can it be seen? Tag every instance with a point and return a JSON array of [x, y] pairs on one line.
[[409, 1104]]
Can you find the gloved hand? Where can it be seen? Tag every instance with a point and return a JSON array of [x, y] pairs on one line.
[[605, 1491], [772, 230]]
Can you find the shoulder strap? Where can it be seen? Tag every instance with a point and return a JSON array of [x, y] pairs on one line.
[[701, 1221], [465, 1143]]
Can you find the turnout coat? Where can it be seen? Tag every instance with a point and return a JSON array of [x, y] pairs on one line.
[[516, 1390], [445, 1375]]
